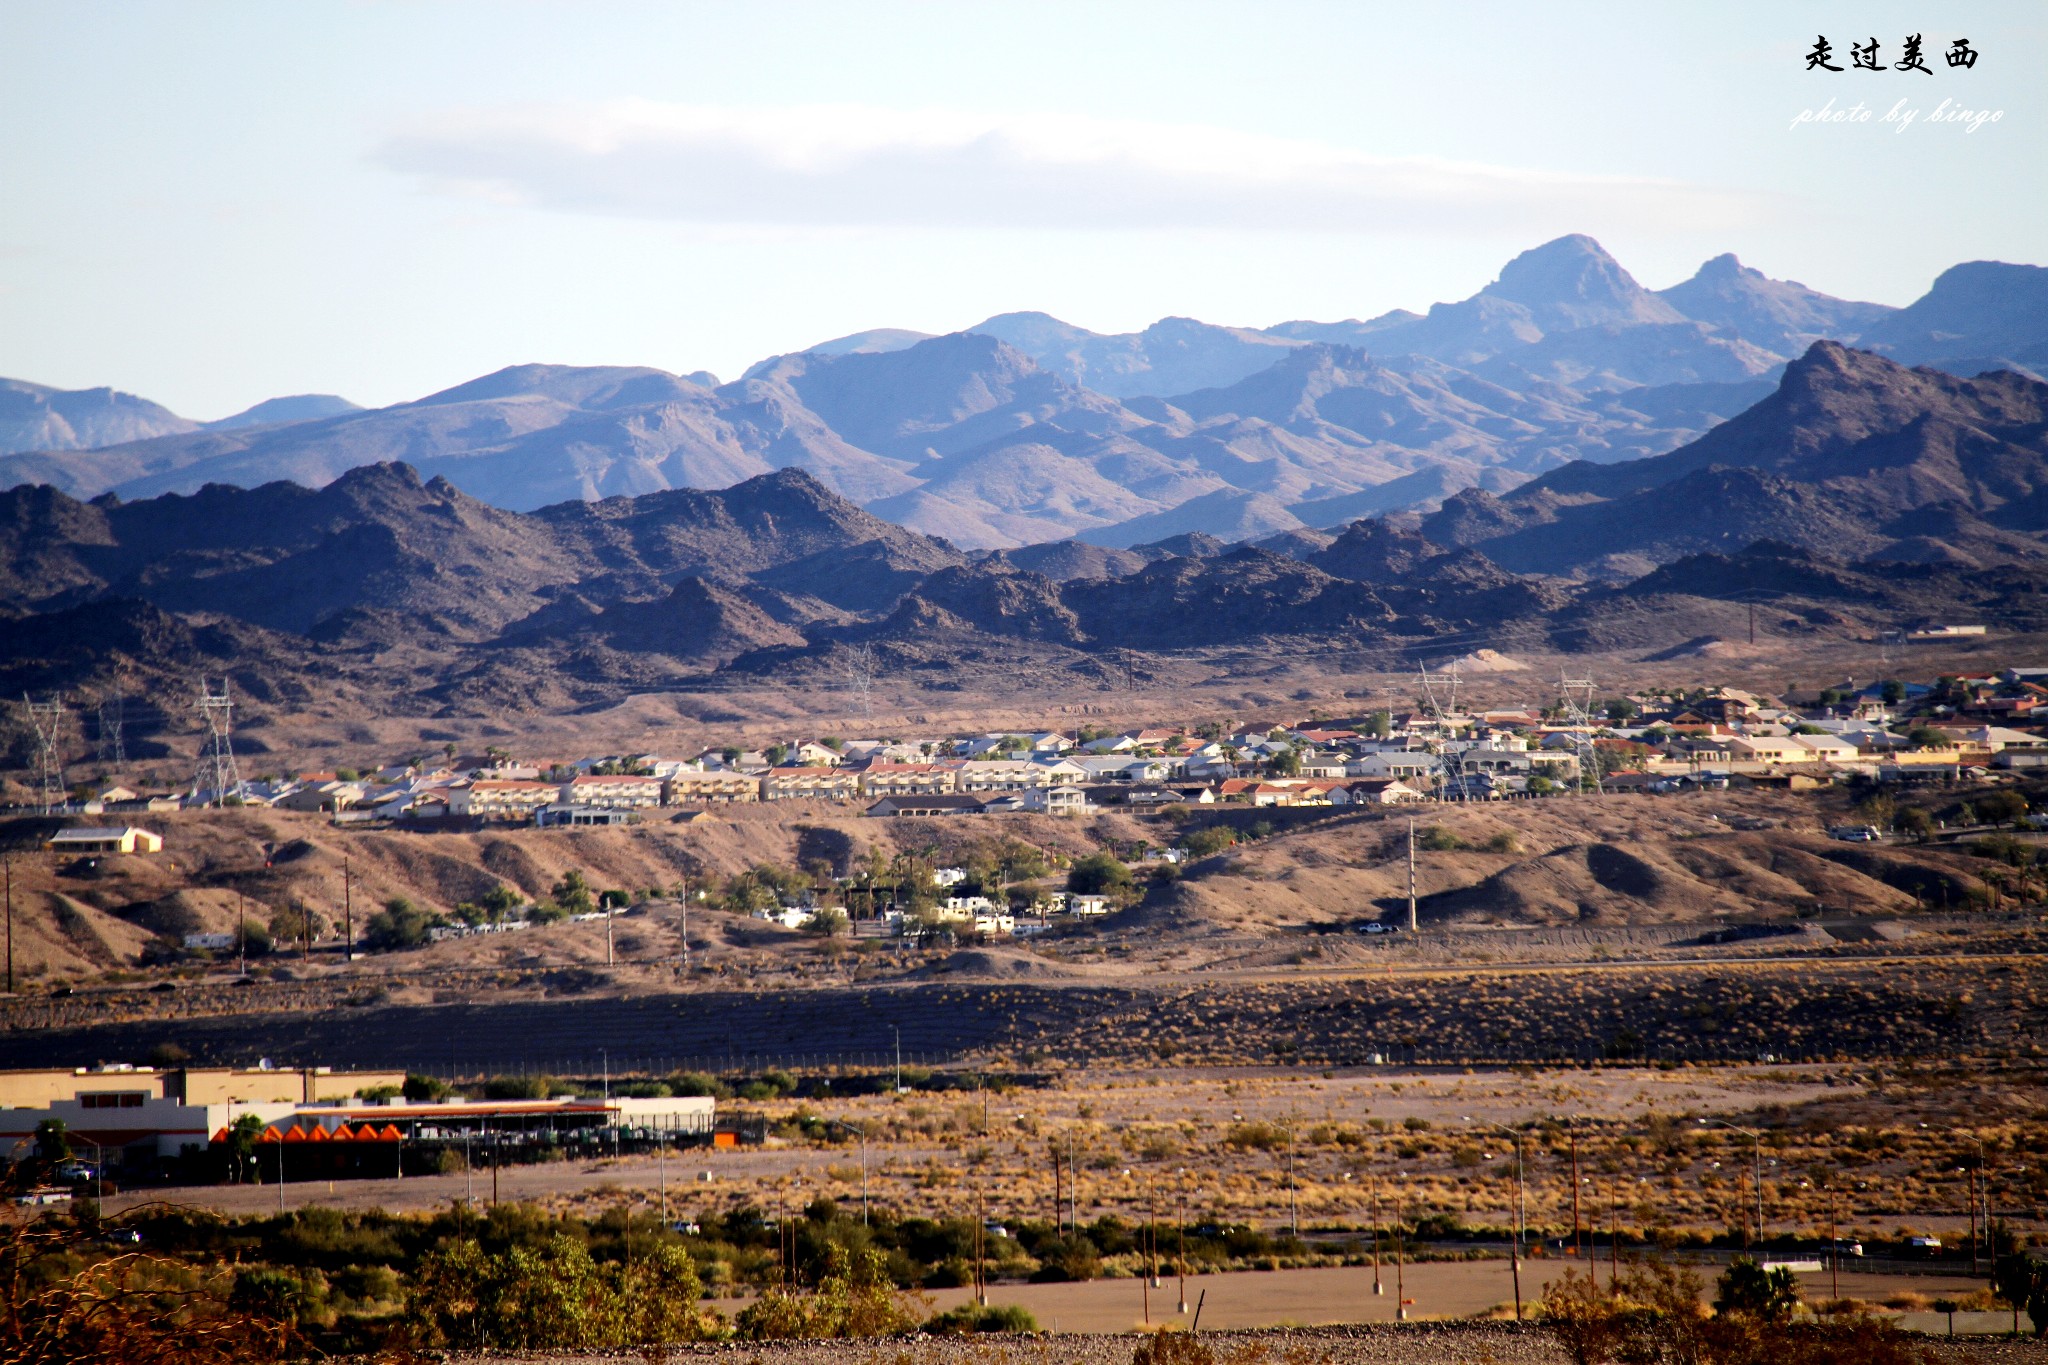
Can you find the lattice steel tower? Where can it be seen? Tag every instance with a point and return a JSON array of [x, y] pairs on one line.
[[1575, 700], [113, 751], [47, 717], [218, 777]]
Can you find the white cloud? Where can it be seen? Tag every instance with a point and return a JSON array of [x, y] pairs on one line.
[[861, 166]]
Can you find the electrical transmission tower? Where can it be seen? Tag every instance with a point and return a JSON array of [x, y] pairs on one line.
[[1575, 700], [113, 749], [218, 777], [1450, 759], [48, 719]]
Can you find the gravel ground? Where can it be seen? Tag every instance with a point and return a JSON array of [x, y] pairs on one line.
[[1447, 1343]]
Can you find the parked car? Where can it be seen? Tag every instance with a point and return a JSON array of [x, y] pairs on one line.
[[1855, 834]]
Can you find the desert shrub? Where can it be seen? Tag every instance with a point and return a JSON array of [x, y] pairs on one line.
[[699, 1083], [554, 1296], [1503, 842], [1257, 1136], [974, 1318], [855, 1297], [1652, 1315], [1437, 839]]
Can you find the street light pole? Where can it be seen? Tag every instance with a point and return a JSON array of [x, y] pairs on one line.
[[1757, 1147], [862, 1135], [1515, 1246]]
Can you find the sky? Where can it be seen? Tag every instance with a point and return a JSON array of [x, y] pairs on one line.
[[212, 203]]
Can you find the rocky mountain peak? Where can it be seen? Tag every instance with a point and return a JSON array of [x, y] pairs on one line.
[[1573, 282]]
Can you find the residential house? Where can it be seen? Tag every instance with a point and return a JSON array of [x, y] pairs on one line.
[[1410, 766], [1011, 775], [488, 799], [810, 784], [328, 796], [616, 792], [929, 804], [104, 839], [908, 779], [1065, 799], [811, 754], [721, 788], [1382, 791]]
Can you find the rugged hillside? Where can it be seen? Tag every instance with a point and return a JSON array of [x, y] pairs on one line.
[[1848, 458]]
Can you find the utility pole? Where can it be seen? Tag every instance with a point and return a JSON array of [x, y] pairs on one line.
[[1752, 623], [241, 933], [348, 913], [1834, 1245], [1293, 1213], [1378, 1289], [1411, 874], [1400, 1245], [8, 861], [305, 931], [1575, 1194]]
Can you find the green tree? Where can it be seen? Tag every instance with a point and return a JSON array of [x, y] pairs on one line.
[[1914, 821], [1746, 1287], [2022, 1282], [827, 921], [1208, 841], [1286, 763], [1098, 874], [53, 1141], [2001, 807], [400, 924], [425, 1088], [241, 1147], [1892, 691], [1380, 724], [293, 924], [1621, 711], [501, 900], [573, 893]]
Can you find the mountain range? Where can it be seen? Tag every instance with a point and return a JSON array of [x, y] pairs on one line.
[[1856, 494], [1025, 429]]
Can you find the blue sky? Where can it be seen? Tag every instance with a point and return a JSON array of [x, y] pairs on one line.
[[213, 203]]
